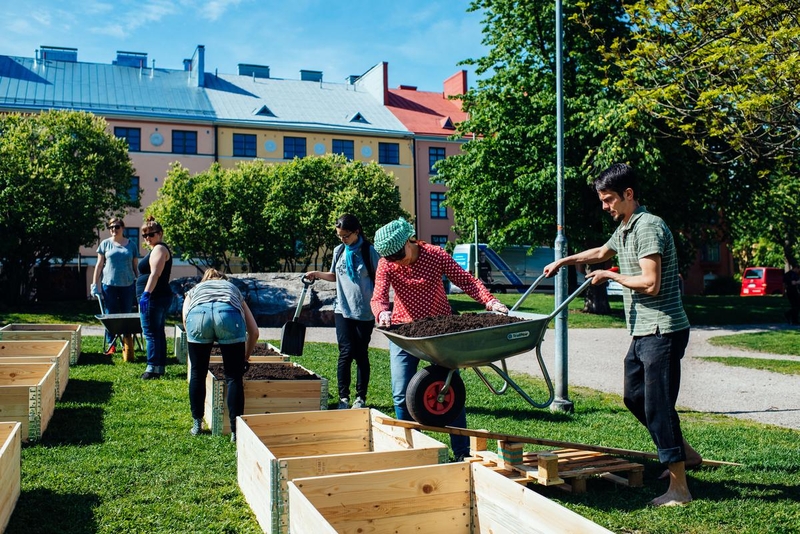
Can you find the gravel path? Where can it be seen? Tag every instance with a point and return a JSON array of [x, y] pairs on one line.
[[595, 361]]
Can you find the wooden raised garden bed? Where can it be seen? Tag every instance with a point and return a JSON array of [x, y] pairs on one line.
[[63, 332], [457, 498], [9, 470], [40, 351], [27, 395], [274, 387], [273, 449]]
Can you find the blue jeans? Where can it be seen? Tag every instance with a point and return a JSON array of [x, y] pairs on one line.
[[221, 322], [403, 368], [353, 337], [652, 383], [118, 299], [153, 323]]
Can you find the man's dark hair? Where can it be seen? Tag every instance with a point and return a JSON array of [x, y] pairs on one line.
[[616, 178]]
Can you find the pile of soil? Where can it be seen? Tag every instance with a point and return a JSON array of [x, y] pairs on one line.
[[448, 324], [267, 371], [261, 349]]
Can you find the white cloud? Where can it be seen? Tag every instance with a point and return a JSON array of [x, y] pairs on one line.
[[214, 9]]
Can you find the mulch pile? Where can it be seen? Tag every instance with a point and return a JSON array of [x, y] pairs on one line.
[[448, 324], [268, 371]]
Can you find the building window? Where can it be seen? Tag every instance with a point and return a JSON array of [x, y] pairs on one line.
[[438, 211], [434, 155], [133, 190], [294, 147], [344, 147], [389, 153], [184, 142], [132, 135], [133, 235], [244, 145], [439, 240], [710, 253]]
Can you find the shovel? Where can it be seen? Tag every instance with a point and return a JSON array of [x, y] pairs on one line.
[[293, 333]]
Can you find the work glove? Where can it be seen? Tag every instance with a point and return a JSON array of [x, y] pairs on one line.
[[495, 305], [93, 291], [385, 319], [144, 302]]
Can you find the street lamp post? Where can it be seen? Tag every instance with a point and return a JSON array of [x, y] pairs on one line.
[[561, 402]]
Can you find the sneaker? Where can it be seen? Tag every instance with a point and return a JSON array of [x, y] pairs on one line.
[[359, 403], [233, 437], [150, 376], [344, 404], [197, 426], [111, 350]]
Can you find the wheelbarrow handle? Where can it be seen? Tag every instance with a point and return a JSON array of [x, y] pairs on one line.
[[528, 292], [570, 298]]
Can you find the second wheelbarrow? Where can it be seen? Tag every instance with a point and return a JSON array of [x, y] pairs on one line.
[[436, 394]]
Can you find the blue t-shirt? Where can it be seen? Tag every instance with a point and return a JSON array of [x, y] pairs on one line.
[[118, 269], [352, 298]]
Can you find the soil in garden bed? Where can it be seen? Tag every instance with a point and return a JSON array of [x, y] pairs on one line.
[[267, 371], [261, 349], [448, 324]]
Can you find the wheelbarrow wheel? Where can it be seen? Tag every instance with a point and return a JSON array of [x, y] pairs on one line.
[[422, 396]]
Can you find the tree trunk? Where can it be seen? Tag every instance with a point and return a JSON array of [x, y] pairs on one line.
[[596, 300]]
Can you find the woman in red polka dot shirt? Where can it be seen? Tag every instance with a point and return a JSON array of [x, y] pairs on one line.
[[414, 269]]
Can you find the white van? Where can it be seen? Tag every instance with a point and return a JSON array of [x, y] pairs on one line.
[[512, 269]]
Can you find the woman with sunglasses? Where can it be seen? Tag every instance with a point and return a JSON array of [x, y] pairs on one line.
[[353, 270], [155, 297], [115, 273], [414, 269]]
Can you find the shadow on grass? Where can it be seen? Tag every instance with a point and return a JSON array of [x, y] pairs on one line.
[[74, 426], [87, 391], [94, 358], [47, 511]]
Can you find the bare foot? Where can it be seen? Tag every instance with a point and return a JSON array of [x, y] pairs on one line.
[[693, 460], [671, 498]]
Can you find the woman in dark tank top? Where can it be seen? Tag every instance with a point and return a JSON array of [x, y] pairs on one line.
[[155, 297]]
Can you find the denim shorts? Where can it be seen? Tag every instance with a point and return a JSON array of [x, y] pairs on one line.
[[215, 321]]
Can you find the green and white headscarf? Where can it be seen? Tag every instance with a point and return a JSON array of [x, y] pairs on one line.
[[392, 237]]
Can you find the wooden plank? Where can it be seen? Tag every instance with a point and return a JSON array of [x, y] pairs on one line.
[[314, 466], [35, 352], [10, 448], [512, 509], [535, 441], [64, 332]]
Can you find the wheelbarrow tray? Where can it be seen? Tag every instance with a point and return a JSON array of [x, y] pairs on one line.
[[476, 347], [121, 324]]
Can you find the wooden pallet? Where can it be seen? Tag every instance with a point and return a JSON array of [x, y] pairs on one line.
[[567, 469]]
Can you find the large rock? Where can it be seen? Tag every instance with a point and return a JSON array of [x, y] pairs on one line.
[[273, 297]]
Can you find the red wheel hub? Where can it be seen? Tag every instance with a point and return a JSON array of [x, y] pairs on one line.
[[431, 402]]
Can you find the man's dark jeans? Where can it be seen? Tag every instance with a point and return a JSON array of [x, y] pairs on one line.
[[652, 382]]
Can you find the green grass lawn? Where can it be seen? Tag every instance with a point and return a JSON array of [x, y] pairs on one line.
[[118, 457], [787, 367], [774, 342]]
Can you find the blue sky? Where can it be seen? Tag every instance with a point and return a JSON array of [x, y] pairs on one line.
[[422, 40]]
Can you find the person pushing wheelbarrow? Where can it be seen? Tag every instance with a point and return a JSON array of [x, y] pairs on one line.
[[414, 269]]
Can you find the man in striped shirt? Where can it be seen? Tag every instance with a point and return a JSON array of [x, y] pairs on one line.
[[655, 317]]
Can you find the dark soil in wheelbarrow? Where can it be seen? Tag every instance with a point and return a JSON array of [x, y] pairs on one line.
[[261, 349], [268, 371], [448, 324]]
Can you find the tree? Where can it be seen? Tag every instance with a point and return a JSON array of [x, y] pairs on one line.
[[506, 177], [61, 175], [272, 216], [196, 214], [723, 75]]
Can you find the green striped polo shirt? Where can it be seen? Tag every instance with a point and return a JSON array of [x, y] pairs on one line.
[[643, 235]]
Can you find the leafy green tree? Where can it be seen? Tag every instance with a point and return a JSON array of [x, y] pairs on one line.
[[723, 75], [272, 216], [506, 177], [61, 175], [196, 213]]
